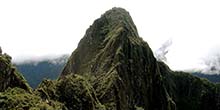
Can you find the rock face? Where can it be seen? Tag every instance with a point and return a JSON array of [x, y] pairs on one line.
[[9, 76], [125, 71]]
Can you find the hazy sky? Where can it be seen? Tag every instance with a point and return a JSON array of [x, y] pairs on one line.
[[48, 27]]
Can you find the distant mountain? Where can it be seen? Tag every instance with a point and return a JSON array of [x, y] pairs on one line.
[[215, 78], [34, 72]]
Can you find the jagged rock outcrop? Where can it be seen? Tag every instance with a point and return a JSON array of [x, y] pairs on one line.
[[126, 74], [9, 76]]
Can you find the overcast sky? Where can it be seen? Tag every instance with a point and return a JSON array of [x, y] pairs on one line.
[[52, 27]]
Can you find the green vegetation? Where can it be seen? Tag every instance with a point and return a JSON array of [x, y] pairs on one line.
[[19, 99], [73, 90], [9, 76], [16, 94]]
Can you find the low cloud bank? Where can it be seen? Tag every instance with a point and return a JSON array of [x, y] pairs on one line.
[[54, 59]]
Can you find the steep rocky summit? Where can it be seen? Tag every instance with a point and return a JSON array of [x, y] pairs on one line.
[[125, 73]]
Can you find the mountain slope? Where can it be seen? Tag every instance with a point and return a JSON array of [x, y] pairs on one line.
[[9, 76]]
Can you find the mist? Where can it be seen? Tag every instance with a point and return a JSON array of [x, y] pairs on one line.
[[207, 62], [211, 62], [161, 53], [54, 59]]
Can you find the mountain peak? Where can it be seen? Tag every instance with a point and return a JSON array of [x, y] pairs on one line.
[[110, 32], [113, 19], [118, 15], [112, 50]]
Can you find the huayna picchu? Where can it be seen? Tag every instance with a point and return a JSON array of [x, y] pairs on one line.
[[113, 69]]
